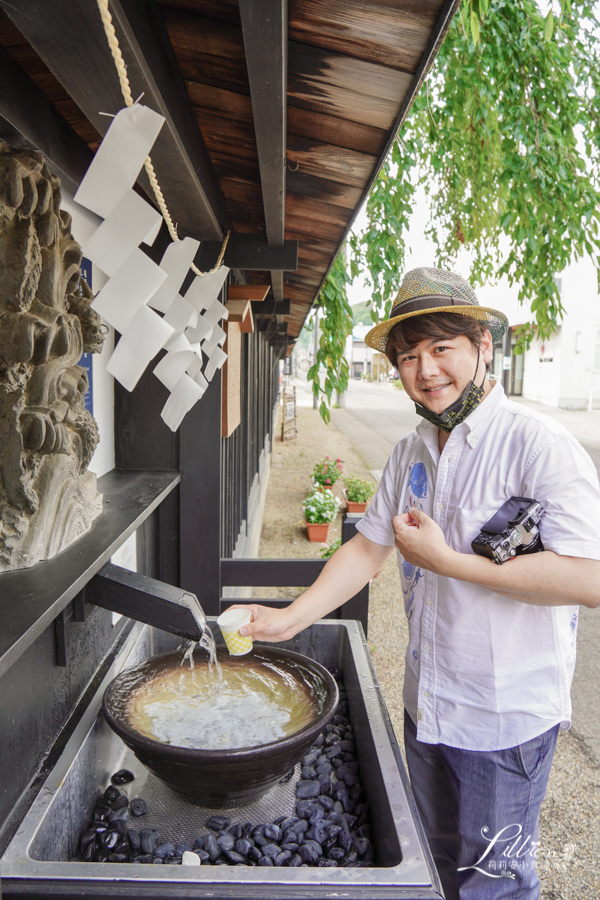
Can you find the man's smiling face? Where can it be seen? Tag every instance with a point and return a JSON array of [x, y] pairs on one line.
[[434, 373]]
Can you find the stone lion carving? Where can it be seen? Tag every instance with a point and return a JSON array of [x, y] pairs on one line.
[[47, 437]]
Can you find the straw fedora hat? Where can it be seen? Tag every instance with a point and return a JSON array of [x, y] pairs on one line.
[[429, 290]]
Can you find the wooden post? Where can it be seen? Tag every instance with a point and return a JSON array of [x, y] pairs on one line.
[[200, 495], [232, 387]]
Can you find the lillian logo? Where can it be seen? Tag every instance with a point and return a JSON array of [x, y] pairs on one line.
[[515, 850], [510, 851]]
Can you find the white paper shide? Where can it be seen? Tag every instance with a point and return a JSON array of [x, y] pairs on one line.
[[143, 300]]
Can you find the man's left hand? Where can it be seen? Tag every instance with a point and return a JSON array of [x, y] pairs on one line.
[[421, 541]]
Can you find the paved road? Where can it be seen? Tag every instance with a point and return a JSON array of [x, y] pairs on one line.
[[384, 408], [391, 414]]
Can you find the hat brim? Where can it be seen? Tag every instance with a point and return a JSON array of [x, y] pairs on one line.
[[493, 319]]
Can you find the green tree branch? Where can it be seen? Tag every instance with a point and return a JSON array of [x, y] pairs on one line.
[[505, 138]]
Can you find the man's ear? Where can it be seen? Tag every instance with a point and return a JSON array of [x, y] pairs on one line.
[[487, 346]]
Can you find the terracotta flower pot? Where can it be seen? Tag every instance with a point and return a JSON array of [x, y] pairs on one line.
[[317, 531], [353, 507]]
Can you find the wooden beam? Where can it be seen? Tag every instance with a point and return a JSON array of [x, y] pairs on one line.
[[254, 292], [27, 109], [249, 251], [277, 282], [270, 572], [240, 313], [269, 308], [271, 327], [265, 31], [70, 39]]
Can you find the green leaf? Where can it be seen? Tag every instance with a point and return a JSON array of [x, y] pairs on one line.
[[549, 29], [475, 27]]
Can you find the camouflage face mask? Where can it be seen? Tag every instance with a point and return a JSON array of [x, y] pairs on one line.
[[458, 411]]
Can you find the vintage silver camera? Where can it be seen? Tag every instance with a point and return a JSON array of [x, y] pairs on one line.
[[511, 531]]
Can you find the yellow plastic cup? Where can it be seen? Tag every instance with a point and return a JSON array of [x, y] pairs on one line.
[[230, 623]]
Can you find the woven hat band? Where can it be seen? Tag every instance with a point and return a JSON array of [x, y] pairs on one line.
[[429, 301]]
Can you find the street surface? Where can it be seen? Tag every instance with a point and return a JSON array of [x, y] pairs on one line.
[[383, 407], [390, 413]]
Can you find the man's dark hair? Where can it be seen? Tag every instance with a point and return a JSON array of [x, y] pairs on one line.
[[435, 327]]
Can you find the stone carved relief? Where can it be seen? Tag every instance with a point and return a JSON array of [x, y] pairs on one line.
[[47, 497]]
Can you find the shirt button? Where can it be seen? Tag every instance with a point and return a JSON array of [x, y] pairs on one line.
[[426, 648], [426, 693], [440, 506], [428, 601], [419, 715]]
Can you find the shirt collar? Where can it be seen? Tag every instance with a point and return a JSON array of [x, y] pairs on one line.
[[474, 425]]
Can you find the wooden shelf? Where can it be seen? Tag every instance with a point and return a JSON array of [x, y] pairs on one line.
[[30, 599]]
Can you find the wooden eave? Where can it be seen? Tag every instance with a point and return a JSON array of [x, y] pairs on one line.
[[352, 66]]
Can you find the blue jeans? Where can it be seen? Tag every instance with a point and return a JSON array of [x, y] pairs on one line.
[[480, 811]]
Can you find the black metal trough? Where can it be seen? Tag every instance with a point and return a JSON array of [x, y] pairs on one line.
[[38, 861]]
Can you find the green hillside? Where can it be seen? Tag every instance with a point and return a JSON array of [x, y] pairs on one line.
[[361, 314]]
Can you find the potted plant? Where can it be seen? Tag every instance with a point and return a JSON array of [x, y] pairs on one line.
[[320, 508], [326, 472], [357, 493]]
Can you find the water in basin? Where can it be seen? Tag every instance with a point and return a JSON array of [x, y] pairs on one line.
[[254, 702]]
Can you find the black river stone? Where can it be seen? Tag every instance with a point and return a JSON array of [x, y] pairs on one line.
[[138, 807], [123, 776], [150, 839]]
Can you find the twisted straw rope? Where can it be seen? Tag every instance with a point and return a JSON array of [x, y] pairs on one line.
[[113, 43]]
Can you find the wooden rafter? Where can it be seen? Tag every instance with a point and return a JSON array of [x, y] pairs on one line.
[[265, 31], [26, 108], [255, 292]]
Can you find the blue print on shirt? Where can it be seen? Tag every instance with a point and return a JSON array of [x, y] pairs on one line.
[[417, 484], [418, 480], [573, 629], [412, 575]]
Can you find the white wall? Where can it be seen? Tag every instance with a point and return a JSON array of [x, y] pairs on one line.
[[567, 380], [580, 329], [103, 460], [542, 370]]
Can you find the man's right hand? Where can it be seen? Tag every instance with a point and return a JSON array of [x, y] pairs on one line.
[[269, 624]]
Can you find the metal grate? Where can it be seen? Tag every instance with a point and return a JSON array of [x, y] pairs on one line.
[[178, 819]]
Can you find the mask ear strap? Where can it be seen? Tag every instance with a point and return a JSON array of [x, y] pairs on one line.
[[484, 370]]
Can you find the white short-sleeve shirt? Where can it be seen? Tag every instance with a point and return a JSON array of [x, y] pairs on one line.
[[485, 672]]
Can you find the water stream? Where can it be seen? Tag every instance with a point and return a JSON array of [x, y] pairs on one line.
[[206, 642]]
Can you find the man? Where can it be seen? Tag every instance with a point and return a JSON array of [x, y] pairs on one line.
[[491, 647]]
